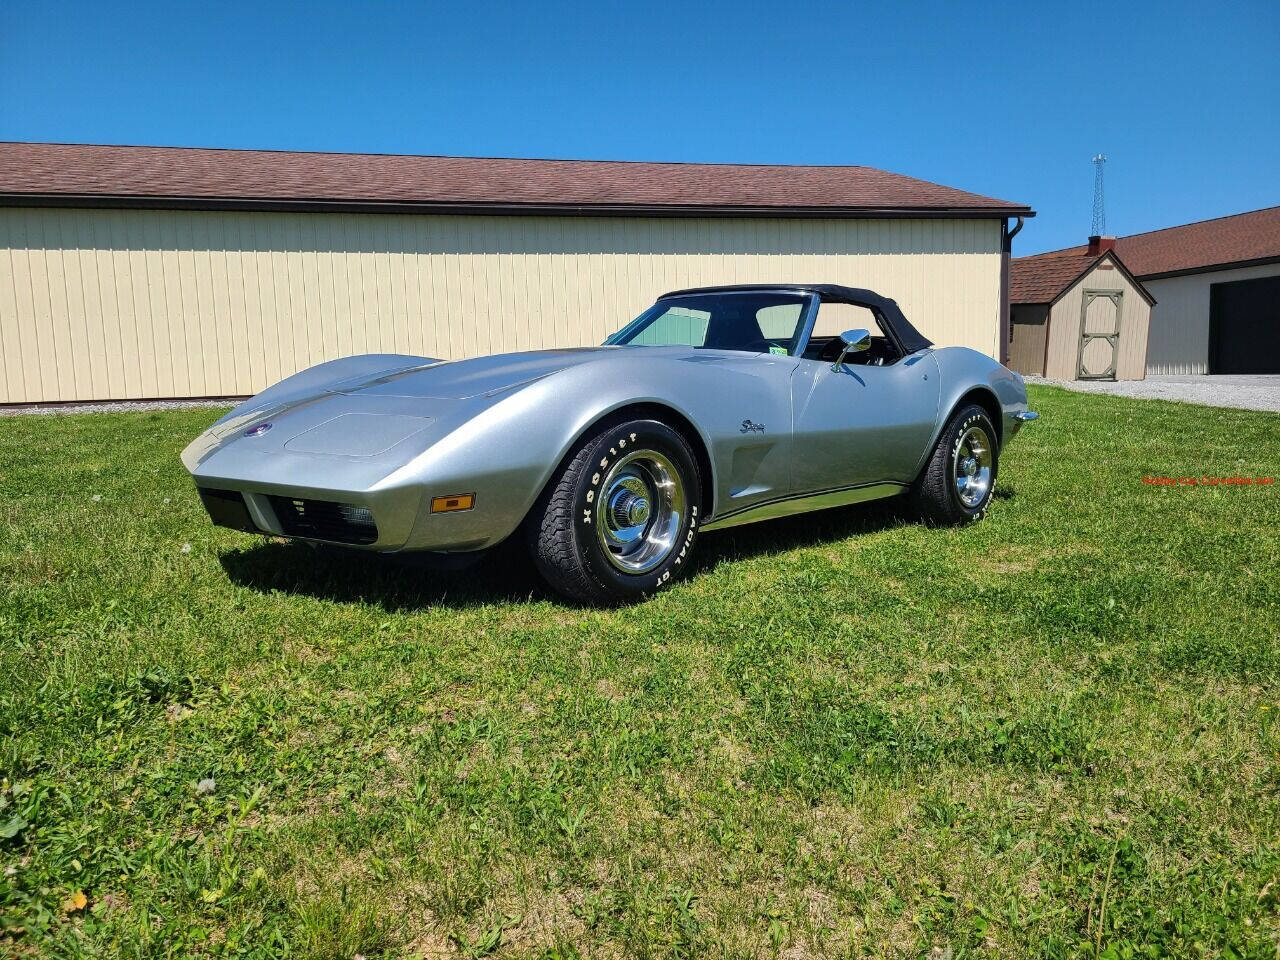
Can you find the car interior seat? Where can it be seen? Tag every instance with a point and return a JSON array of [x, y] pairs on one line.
[[732, 329]]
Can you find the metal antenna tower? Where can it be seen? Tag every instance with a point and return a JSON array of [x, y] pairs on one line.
[[1099, 211]]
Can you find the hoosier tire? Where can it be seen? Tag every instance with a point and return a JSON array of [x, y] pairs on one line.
[[620, 520], [956, 484]]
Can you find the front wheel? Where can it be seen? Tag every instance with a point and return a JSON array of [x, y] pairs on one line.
[[620, 519], [956, 484]]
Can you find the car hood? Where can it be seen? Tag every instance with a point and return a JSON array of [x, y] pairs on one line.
[[464, 379], [380, 385], [398, 385]]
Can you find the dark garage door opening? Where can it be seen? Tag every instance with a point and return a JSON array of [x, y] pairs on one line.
[[1244, 326]]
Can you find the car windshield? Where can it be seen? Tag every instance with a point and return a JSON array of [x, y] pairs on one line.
[[752, 321]]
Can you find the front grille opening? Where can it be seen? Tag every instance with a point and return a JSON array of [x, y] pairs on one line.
[[325, 520], [227, 509]]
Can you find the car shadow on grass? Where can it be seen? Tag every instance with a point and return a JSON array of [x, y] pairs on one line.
[[502, 575], [505, 574], [771, 537], [810, 530]]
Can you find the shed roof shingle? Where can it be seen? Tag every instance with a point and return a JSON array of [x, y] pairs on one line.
[[1041, 278], [31, 172], [1046, 276], [1240, 238]]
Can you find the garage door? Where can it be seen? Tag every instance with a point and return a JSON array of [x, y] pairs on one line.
[[1244, 326]]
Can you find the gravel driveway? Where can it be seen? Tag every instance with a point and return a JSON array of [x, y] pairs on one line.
[[113, 406], [1245, 392]]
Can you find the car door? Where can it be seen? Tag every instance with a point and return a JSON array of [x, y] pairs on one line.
[[860, 423]]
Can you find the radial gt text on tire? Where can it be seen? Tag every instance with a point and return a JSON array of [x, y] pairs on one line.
[[959, 477], [620, 519]]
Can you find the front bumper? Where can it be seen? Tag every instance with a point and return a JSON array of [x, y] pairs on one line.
[[374, 495], [317, 469], [393, 519], [355, 520], [1014, 422]]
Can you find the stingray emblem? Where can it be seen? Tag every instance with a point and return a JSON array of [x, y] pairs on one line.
[[750, 427]]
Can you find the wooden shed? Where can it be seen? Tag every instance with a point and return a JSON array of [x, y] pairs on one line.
[[1078, 316], [1217, 287]]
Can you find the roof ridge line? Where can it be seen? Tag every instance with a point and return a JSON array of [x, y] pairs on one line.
[[1193, 223], [454, 156], [1147, 233]]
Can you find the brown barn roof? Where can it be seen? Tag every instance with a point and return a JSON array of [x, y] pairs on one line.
[[183, 176], [1045, 277], [1240, 239]]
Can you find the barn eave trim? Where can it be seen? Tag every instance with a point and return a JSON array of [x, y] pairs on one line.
[[317, 205]]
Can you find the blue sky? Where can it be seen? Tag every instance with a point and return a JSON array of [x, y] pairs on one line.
[[1009, 100]]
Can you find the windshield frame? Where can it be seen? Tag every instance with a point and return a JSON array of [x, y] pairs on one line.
[[804, 325]]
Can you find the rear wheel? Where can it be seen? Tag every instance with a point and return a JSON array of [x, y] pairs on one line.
[[960, 477], [620, 519]]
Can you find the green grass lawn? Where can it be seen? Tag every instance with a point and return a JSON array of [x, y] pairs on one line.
[[1052, 734]]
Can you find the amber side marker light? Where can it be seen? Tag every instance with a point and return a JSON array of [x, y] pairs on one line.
[[457, 501]]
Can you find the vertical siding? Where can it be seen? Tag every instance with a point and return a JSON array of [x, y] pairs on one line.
[[1064, 326], [113, 304], [1028, 328], [1180, 318]]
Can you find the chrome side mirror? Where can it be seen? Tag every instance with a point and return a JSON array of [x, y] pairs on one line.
[[855, 341]]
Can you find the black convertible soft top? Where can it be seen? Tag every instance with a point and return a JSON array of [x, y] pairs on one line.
[[887, 311]]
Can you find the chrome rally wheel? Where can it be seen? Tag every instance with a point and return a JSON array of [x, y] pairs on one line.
[[639, 511], [973, 461], [959, 477], [620, 519]]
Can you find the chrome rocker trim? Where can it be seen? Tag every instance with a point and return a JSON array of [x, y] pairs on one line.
[[786, 506]]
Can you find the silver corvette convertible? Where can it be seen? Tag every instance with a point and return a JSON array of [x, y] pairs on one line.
[[715, 407]]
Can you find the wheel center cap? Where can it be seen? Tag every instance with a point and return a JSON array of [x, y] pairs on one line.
[[638, 511], [970, 467]]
